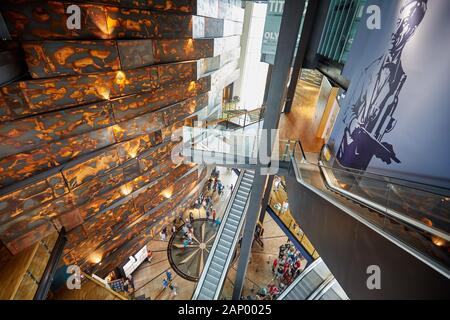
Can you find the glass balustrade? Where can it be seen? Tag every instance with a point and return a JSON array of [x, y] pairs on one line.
[[416, 214]]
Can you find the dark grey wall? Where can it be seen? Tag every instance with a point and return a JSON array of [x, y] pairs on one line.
[[348, 247]]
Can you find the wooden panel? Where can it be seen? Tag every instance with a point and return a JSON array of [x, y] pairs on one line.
[[58, 58], [25, 98], [27, 289], [29, 133], [182, 6], [86, 145], [135, 53], [135, 105], [39, 262], [23, 165], [181, 49], [47, 20], [90, 290], [12, 273], [30, 196]]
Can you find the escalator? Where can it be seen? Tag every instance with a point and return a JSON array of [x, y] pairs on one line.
[[220, 257], [315, 283], [357, 220]]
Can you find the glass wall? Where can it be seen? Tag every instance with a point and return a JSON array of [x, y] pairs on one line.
[[340, 29]]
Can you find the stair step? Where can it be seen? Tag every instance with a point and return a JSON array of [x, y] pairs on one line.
[[221, 255], [229, 233], [215, 265], [206, 293], [241, 198], [219, 261], [224, 247], [227, 237]]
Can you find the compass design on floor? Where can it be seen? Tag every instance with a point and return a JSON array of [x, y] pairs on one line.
[[189, 261]]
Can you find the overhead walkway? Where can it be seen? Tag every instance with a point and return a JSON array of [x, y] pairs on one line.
[[219, 259], [357, 219], [231, 148], [315, 283]]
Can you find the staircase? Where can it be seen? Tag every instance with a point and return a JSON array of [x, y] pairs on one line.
[[219, 259]]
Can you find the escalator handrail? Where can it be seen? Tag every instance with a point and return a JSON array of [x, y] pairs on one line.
[[375, 206], [383, 178], [407, 247], [216, 240]]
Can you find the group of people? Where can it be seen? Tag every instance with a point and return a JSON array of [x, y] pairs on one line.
[[288, 264], [215, 184], [169, 284], [282, 207], [285, 268]]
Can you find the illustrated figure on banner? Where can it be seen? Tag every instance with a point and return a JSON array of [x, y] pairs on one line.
[[371, 113]]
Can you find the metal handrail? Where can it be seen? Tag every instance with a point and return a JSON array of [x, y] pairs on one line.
[[201, 280], [375, 206], [399, 242], [383, 178], [235, 241]]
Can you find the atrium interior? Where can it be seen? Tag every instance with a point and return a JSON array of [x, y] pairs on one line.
[[224, 150]]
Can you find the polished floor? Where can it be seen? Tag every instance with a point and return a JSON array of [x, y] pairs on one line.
[[302, 122]]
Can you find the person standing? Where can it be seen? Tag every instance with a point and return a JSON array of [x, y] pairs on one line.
[[174, 228], [214, 215], [284, 207], [162, 235], [208, 214], [277, 184], [217, 222], [274, 265], [169, 275], [191, 217], [165, 283], [185, 230], [173, 289]]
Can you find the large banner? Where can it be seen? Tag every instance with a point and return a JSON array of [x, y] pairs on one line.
[[271, 30], [395, 118]]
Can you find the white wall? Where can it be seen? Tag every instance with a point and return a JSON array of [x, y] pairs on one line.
[[251, 85]]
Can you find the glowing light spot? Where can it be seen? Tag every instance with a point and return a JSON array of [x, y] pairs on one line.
[[343, 185], [192, 86], [167, 193], [189, 47], [121, 78], [104, 92], [95, 257], [438, 241], [427, 221], [126, 189]]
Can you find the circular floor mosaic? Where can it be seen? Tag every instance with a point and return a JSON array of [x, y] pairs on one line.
[[189, 261]]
